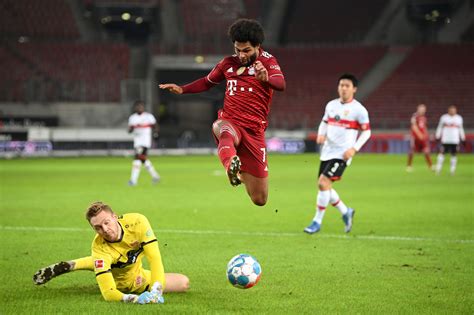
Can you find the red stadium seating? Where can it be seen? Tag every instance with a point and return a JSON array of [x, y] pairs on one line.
[[37, 19], [66, 71], [311, 76], [13, 74], [437, 75], [207, 21]]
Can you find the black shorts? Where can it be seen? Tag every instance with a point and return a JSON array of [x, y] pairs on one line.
[[449, 148], [332, 169], [141, 153]]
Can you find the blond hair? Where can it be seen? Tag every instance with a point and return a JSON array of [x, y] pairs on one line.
[[95, 208]]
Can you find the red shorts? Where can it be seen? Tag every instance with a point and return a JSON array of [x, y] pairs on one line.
[[419, 145], [251, 151]]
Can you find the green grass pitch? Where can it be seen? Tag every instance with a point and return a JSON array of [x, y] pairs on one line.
[[411, 250]]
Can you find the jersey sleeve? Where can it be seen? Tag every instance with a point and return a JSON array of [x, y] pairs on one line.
[[462, 134], [130, 122], [439, 129], [103, 275], [326, 114], [363, 119], [217, 74], [273, 68], [152, 119], [152, 252]]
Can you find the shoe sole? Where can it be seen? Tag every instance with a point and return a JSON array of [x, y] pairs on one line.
[[233, 171], [44, 275], [309, 232]]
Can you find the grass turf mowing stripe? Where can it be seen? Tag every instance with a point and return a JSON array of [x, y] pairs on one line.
[[240, 233]]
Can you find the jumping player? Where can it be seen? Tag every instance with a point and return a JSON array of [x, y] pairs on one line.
[[143, 125], [251, 74], [117, 252], [419, 138], [337, 133], [450, 132]]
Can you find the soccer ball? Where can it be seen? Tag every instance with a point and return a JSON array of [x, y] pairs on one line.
[[243, 271]]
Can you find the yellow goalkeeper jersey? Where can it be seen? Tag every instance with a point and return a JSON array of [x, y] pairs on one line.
[[118, 265]]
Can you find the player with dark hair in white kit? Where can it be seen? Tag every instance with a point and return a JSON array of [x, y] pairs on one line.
[[450, 132], [337, 133], [143, 125]]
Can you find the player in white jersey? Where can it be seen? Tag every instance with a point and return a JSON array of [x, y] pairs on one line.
[[143, 125], [338, 134], [451, 132]]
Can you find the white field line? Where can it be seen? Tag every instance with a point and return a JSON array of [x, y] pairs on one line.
[[240, 233]]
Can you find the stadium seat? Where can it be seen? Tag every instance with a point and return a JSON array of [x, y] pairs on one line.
[[37, 19], [437, 75], [311, 76]]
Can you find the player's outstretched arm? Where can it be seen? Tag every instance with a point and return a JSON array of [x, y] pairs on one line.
[[173, 88], [47, 273]]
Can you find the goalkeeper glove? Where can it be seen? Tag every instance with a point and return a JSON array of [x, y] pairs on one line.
[[157, 291], [146, 298]]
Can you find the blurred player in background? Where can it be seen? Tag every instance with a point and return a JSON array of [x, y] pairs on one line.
[[450, 132], [419, 137], [251, 74], [117, 253], [144, 127], [338, 134]]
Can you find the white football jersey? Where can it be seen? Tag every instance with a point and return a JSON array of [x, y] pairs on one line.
[[344, 122], [142, 129], [450, 129]]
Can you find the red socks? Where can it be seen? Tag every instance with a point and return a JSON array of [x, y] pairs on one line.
[[226, 148]]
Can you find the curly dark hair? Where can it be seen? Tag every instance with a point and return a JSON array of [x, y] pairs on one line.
[[246, 30]]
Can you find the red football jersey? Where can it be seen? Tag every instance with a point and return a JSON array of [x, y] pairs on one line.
[[421, 122], [247, 100]]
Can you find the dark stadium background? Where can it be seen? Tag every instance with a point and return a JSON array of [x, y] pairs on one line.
[[70, 70]]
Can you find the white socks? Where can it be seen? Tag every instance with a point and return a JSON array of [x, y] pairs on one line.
[[454, 161], [324, 198], [149, 167], [337, 202], [440, 160], [136, 166], [322, 203]]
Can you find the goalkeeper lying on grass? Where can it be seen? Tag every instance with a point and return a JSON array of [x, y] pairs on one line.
[[117, 252]]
